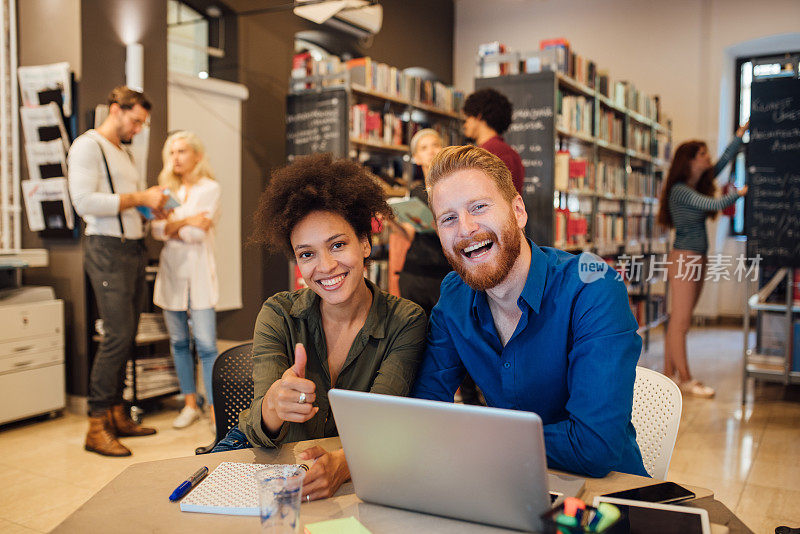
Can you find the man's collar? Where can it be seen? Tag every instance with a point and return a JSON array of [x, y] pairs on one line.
[[537, 277], [533, 290], [375, 325]]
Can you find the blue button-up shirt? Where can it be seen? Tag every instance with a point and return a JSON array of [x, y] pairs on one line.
[[572, 360]]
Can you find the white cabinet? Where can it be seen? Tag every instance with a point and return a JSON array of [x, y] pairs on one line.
[[31, 359]]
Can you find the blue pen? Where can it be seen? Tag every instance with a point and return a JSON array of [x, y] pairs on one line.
[[188, 484]]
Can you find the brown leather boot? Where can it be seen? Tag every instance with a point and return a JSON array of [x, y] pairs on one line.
[[124, 425], [101, 438]]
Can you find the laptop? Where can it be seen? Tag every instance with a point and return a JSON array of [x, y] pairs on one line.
[[473, 463]]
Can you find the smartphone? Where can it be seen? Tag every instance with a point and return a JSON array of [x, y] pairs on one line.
[[665, 492]]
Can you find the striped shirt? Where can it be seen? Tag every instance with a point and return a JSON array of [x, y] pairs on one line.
[[688, 208]]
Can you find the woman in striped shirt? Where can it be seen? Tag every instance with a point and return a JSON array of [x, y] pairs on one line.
[[687, 200]]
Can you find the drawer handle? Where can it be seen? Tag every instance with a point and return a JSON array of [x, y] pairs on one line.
[[23, 364], [23, 349]]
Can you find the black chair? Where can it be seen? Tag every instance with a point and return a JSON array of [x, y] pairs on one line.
[[232, 383]]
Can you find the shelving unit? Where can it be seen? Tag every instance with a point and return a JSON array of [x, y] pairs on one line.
[[344, 133], [764, 364], [612, 194]]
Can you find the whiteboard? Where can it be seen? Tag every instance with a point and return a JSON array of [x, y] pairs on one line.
[[213, 110]]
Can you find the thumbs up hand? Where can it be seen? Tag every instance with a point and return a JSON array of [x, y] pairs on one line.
[[291, 398]]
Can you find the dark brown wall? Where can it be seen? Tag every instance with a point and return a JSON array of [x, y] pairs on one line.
[[105, 27], [415, 33]]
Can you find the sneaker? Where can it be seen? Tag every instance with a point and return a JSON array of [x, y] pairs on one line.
[[187, 416], [695, 388]]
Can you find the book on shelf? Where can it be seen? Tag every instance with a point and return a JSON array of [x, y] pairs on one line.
[[391, 81], [575, 113], [561, 170], [562, 51], [571, 228], [370, 125], [580, 175], [610, 127], [491, 69], [573, 174], [374, 76], [608, 228], [610, 178], [557, 55], [639, 138]]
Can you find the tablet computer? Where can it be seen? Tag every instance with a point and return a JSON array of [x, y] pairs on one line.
[[637, 517]]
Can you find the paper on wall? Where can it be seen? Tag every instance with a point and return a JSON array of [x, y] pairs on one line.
[[39, 124], [34, 192], [46, 160], [34, 80]]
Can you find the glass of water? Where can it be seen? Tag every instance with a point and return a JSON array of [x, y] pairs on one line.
[[279, 491]]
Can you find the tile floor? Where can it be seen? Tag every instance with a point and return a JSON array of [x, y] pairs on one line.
[[749, 457]]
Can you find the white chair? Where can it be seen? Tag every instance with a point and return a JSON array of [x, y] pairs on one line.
[[657, 405]]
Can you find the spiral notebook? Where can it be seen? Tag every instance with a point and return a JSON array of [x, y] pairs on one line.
[[230, 489]]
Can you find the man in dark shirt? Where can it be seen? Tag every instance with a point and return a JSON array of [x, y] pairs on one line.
[[488, 117]]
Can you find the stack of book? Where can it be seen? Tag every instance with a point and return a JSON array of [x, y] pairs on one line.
[[573, 174], [571, 228], [639, 185], [576, 66], [635, 223], [639, 138], [304, 65], [391, 81], [575, 113], [154, 376], [609, 223], [370, 125], [610, 127], [378, 77], [610, 178]]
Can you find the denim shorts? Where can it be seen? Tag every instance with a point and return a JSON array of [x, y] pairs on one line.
[[233, 441]]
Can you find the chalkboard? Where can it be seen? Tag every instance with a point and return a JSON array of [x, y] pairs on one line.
[[531, 135], [772, 208], [317, 122]]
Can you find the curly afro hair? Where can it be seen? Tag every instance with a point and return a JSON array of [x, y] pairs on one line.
[[490, 106], [317, 183]]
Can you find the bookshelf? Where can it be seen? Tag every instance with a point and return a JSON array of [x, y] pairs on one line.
[[368, 111], [594, 165]]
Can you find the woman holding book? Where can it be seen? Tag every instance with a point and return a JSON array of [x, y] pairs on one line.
[[186, 286], [341, 331], [687, 200]]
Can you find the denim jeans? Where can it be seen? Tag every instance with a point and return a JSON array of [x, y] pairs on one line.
[[204, 331], [233, 441]]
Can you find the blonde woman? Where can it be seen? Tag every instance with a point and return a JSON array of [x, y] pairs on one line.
[[186, 285]]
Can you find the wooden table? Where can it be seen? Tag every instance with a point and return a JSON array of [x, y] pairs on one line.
[[137, 501]]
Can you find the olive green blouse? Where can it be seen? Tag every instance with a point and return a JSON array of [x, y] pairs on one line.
[[383, 358]]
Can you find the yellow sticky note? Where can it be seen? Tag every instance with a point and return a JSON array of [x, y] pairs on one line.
[[345, 525]]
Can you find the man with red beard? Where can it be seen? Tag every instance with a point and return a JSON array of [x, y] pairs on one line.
[[529, 326]]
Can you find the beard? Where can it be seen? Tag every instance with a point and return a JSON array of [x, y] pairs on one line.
[[488, 275]]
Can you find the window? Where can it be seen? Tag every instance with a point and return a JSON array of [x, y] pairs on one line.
[[746, 69], [187, 40]]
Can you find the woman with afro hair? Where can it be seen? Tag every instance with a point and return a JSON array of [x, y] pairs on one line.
[[341, 331]]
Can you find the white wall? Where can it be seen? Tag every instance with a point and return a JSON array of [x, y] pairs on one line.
[[679, 49], [212, 109]]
